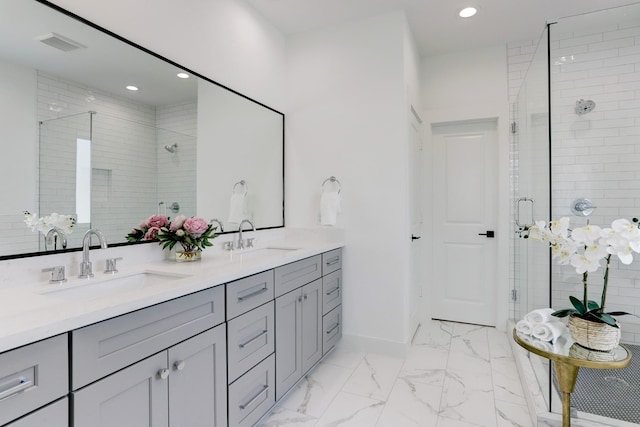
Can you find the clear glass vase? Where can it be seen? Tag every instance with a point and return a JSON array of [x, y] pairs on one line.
[[188, 256]]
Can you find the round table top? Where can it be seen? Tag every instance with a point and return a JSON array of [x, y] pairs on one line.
[[567, 351]]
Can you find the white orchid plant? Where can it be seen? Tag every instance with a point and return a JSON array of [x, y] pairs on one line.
[[64, 223], [585, 248]]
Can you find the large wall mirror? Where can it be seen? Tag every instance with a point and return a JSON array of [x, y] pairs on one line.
[[78, 142]]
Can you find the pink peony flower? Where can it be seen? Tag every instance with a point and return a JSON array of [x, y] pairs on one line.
[[195, 226], [177, 222], [152, 233], [157, 221]]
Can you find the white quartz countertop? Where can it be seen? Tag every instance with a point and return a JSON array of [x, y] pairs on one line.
[[34, 312]]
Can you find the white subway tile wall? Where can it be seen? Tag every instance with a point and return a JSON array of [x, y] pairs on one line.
[[595, 155]]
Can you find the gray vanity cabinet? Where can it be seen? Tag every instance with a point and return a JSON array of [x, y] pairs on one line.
[[298, 334], [182, 386], [53, 415], [33, 376]]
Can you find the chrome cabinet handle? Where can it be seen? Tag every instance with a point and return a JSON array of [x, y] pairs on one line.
[[252, 294], [163, 373], [337, 288], [179, 365], [246, 343], [336, 326], [333, 261], [23, 384], [254, 398]]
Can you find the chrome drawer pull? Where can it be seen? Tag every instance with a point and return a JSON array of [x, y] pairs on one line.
[[337, 288], [246, 343], [252, 294], [163, 373], [336, 326], [179, 365], [22, 385], [254, 398], [333, 261]]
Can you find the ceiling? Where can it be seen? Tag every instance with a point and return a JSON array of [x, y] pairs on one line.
[[434, 23]]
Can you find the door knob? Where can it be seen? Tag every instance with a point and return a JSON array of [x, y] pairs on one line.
[[490, 234], [415, 237]]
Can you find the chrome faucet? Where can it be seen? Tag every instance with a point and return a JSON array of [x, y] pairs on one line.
[[51, 235], [216, 220], [240, 242], [86, 271]]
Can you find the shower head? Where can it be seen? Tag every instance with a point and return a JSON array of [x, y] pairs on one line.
[[171, 148], [584, 107]]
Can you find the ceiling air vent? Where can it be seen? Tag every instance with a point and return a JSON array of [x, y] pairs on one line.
[[62, 43]]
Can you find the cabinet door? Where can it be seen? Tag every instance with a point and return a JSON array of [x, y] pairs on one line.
[[54, 415], [311, 324], [135, 396], [288, 343], [198, 381]]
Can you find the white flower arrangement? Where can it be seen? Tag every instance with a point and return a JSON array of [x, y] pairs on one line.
[[64, 223], [585, 248]]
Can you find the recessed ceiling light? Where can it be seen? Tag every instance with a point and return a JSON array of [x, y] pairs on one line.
[[132, 87], [467, 12], [183, 75]]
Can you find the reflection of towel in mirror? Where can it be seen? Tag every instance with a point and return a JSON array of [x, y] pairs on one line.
[[329, 207], [540, 315], [524, 327], [548, 331], [237, 208]]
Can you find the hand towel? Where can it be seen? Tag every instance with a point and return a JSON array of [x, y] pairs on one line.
[[329, 207], [237, 208], [549, 331], [524, 327], [540, 315]]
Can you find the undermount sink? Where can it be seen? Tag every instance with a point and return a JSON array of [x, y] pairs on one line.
[[93, 288], [250, 253]]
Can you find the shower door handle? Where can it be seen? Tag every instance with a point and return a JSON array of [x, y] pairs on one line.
[[490, 234]]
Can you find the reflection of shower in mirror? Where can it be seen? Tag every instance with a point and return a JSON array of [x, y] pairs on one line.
[[171, 148]]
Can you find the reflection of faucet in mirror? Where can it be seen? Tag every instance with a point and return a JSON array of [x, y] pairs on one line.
[[85, 266], [240, 243], [216, 220], [52, 238]]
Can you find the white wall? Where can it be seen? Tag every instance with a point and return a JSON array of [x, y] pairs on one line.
[[466, 86], [347, 116], [225, 40]]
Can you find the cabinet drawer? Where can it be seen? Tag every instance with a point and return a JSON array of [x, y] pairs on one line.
[[331, 329], [105, 347], [248, 293], [251, 339], [252, 395], [292, 276], [32, 376], [54, 415], [331, 291], [331, 261]]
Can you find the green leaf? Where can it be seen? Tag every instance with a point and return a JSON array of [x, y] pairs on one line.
[[592, 305], [618, 313], [578, 305], [564, 312], [608, 319]]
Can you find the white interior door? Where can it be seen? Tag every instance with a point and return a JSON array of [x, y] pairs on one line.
[[415, 182], [465, 200]]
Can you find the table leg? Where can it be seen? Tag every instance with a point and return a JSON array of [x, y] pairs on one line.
[[567, 375]]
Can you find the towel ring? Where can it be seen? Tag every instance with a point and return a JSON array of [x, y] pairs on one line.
[[334, 180], [241, 183]]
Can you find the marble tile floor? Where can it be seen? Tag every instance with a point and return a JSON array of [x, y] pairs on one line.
[[455, 375]]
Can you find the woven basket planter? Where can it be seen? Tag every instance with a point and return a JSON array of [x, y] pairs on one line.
[[594, 335]]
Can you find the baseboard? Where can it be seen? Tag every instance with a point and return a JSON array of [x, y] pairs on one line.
[[375, 345]]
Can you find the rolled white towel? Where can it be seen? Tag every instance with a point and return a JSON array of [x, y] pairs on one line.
[[524, 327], [540, 315], [549, 331]]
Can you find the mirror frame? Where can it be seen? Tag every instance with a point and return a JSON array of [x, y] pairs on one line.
[[175, 64]]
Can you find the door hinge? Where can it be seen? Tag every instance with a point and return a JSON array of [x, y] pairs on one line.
[[514, 127], [514, 295]]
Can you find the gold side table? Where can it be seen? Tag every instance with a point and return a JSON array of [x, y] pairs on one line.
[[568, 359]]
